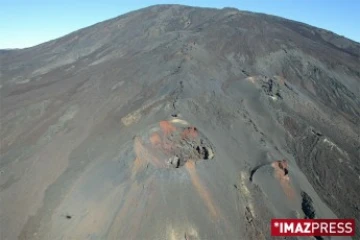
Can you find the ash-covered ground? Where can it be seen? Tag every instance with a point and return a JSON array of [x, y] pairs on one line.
[[175, 122]]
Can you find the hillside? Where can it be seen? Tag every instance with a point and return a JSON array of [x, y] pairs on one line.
[[176, 122]]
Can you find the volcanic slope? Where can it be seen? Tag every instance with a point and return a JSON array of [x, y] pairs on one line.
[[175, 122]]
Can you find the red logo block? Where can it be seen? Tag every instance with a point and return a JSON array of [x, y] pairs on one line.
[[312, 227]]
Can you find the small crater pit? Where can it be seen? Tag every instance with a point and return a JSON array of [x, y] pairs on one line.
[[283, 166], [281, 174], [204, 152], [170, 144]]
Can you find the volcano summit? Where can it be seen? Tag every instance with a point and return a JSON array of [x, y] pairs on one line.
[[176, 122]]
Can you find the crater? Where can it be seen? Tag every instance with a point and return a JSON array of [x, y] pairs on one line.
[[170, 144], [280, 171]]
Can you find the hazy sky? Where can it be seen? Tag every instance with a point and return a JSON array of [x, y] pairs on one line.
[[25, 23]]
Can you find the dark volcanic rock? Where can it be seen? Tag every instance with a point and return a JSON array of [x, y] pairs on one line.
[[139, 127], [307, 206]]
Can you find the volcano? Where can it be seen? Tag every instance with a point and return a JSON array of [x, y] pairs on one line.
[[177, 122]]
